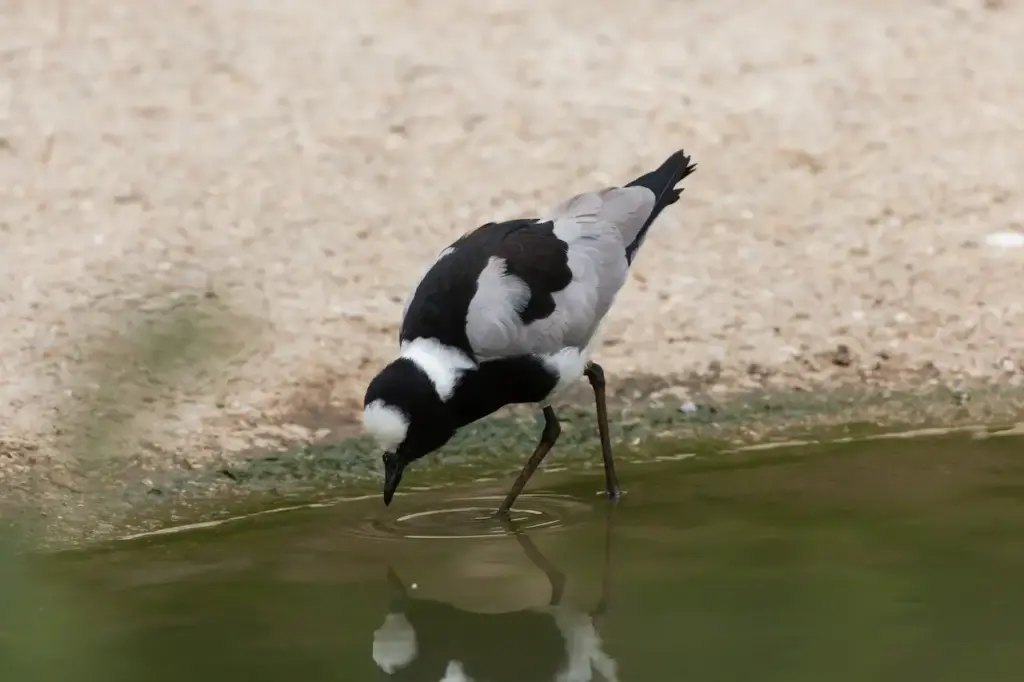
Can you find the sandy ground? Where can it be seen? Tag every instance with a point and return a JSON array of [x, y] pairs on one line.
[[298, 163]]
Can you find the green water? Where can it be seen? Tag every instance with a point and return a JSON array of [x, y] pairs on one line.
[[881, 560]]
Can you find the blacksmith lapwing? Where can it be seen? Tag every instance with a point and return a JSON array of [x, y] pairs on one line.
[[506, 315], [426, 639]]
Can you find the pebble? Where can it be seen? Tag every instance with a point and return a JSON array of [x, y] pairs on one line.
[[688, 407], [1006, 240]]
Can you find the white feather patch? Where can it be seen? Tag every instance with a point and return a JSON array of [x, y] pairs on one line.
[[443, 364], [569, 364], [583, 648], [455, 673], [386, 423], [394, 643]]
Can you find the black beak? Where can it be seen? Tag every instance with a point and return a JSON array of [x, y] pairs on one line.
[[392, 476]]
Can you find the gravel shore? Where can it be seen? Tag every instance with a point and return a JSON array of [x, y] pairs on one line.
[[285, 170]]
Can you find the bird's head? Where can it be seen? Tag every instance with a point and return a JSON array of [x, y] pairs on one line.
[[404, 414]]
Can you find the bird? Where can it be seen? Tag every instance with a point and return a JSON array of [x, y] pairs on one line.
[[506, 315], [427, 639]]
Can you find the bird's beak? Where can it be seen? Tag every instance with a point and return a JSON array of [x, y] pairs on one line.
[[392, 476]]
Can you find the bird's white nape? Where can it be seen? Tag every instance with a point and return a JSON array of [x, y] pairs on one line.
[[386, 423], [442, 364], [394, 644]]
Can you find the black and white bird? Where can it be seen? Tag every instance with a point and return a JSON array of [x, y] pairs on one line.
[[506, 315], [425, 639]]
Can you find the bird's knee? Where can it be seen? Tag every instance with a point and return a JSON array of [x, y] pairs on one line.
[[595, 374], [552, 430], [557, 580]]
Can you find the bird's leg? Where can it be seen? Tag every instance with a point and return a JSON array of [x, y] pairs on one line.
[[609, 525], [399, 595], [555, 577], [595, 375], [548, 436]]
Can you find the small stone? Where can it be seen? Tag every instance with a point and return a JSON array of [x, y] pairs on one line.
[[808, 362], [842, 357], [757, 370], [1006, 239], [688, 407]]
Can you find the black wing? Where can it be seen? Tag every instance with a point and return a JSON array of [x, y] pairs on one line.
[[439, 305]]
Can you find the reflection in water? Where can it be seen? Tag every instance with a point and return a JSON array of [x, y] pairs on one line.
[[426, 639], [866, 562]]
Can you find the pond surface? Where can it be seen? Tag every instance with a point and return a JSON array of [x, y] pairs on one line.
[[876, 560]]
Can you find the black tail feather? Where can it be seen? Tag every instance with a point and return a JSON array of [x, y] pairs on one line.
[[663, 183]]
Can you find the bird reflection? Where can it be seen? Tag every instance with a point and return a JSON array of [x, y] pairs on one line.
[[424, 640]]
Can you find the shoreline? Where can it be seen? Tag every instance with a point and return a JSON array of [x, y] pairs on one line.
[[117, 497]]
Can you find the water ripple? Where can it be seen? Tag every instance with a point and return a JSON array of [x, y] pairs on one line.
[[472, 517]]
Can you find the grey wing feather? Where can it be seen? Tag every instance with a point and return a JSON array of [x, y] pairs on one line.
[[596, 226], [624, 208]]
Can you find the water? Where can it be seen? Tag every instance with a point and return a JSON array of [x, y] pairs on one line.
[[880, 560]]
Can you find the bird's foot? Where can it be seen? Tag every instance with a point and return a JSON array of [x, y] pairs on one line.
[[614, 493]]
